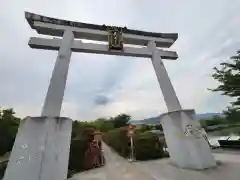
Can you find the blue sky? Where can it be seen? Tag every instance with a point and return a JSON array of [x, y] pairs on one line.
[[102, 86]]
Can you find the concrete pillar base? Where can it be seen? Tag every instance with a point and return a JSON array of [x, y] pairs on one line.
[[41, 149], [186, 140]]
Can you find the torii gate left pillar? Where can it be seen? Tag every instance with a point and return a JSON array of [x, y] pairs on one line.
[[53, 102], [41, 148]]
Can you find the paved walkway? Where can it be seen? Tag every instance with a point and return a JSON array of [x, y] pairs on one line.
[[117, 168], [228, 169]]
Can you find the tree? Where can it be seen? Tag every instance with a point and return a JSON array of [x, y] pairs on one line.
[[232, 114], [103, 125], [120, 120], [159, 127], [144, 128], [228, 75], [8, 129]]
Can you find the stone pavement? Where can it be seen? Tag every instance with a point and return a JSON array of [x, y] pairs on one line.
[[117, 168], [228, 169]]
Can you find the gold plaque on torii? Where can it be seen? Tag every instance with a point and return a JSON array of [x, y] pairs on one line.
[[115, 40]]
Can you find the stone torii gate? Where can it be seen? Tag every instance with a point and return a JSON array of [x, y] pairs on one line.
[[41, 148]]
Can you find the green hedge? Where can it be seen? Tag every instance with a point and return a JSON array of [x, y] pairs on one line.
[[3, 166], [146, 145], [81, 134], [118, 140], [76, 156]]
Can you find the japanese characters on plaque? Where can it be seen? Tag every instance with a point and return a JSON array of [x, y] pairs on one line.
[[115, 40]]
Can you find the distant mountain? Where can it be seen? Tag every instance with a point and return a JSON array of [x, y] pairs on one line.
[[156, 120], [208, 115]]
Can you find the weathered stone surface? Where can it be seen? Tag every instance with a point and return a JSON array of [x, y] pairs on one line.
[[118, 168], [41, 149]]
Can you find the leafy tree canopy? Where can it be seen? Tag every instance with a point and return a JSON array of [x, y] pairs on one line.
[[228, 75]]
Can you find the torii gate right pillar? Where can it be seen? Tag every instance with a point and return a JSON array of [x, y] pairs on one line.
[[187, 145]]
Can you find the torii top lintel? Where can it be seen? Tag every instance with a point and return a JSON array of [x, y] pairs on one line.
[[55, 27]]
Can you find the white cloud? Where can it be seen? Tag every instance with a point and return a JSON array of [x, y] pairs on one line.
[[27, 109], [129, 84]]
